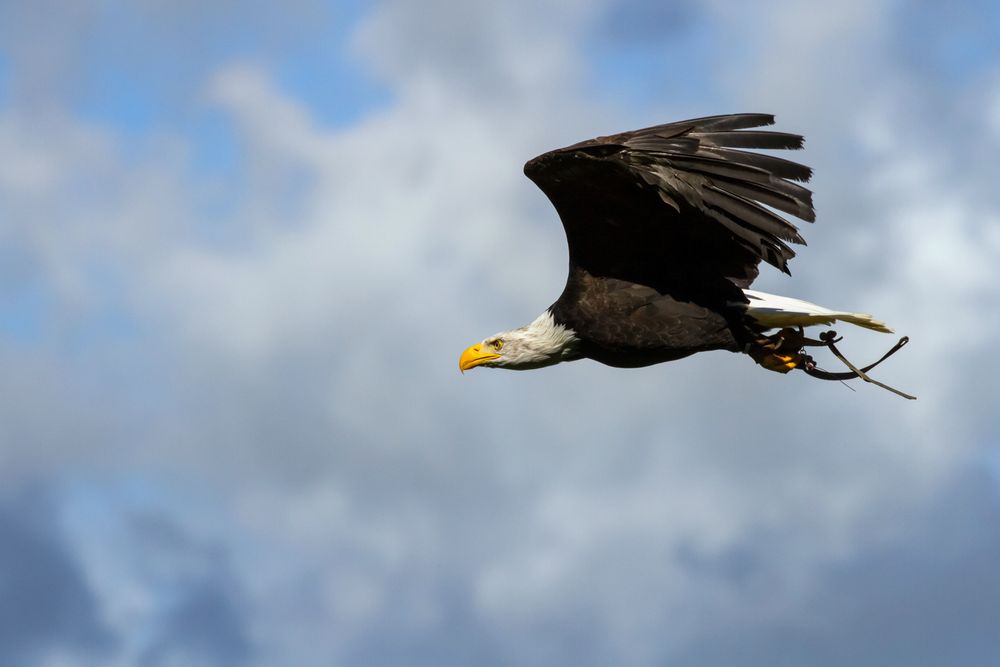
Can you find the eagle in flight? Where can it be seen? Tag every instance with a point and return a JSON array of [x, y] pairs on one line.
[[666, 227]]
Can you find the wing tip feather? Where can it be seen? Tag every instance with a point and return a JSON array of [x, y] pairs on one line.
[[721, 137]]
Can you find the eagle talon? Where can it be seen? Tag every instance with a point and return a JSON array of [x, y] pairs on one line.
[[780, 352]]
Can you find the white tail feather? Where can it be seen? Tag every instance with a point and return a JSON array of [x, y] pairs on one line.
[[773, 311]]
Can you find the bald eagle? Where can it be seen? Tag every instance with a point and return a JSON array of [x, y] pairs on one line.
[[666, 227]]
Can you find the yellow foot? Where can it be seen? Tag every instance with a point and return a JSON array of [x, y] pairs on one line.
[[779, 362], [781, 352]]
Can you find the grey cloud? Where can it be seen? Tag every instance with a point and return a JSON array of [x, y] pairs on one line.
[[930, 598], [204, 627], [202, 621], [483, 51], [456, 635], [47, 607], [637, 23]]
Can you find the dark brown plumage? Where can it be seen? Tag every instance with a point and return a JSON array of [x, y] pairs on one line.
[[664, 226]]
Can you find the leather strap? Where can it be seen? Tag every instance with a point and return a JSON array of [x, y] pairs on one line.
[[827, 339]]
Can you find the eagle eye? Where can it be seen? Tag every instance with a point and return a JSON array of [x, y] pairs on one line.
[[496, 344]]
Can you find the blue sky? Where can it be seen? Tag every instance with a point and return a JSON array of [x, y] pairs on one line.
[[242, 247]]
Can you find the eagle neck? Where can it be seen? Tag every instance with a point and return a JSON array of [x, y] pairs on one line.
[[553, 337]]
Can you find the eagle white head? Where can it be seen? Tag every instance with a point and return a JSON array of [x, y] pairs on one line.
[[544, 342]]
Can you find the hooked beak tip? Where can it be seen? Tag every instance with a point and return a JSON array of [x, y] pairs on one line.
[[474, 356]]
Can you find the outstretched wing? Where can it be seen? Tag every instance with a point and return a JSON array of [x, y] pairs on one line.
[[679, 203]]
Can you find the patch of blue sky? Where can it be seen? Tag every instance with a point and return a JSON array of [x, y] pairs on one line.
[[107, 326], [93, 502], [652, 56], [4, 80], [139, 80], [338, 89], [325, 74], [951, 43], [141, 100], [337, 93], [215, 145], [25, 313]]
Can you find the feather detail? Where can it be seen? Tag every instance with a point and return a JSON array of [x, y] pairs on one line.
[[779, 167], [719, 204], [774, 312]]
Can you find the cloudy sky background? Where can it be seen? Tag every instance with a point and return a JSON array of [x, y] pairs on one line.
[[241, 248]]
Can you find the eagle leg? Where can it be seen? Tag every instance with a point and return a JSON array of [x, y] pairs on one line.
[[782, 352]]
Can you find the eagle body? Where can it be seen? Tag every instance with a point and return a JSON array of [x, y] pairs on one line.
[[630, 324], [666, 228]]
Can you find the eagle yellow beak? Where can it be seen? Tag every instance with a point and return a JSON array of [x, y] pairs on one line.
[[474, 356]]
